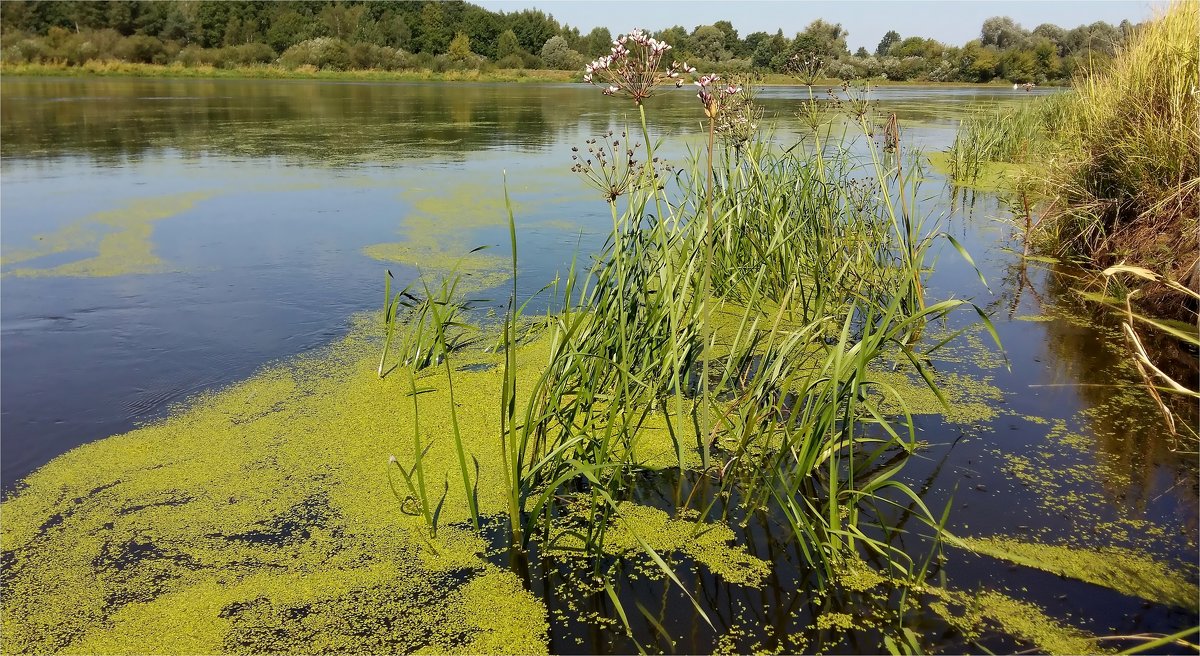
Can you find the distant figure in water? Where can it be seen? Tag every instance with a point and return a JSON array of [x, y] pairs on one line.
[[1028, 86]]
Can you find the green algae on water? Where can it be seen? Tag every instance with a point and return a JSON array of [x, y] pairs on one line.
[[969, 614], [119, 240], [706, 543], [993, 176], [435, 235], [477, 270], [1123, 570], [971, 400], [258, 518]]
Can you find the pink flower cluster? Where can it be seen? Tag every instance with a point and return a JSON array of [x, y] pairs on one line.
[[711, 101], [634, 67]]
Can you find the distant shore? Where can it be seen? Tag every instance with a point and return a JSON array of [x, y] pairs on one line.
[[126, 69]]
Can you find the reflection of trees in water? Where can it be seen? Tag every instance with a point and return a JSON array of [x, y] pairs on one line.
[[1130, 437], [116, 120]]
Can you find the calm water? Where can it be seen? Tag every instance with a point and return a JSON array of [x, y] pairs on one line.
[[165, 237]]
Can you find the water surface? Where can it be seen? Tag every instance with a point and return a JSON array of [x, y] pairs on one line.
[[165, 237]]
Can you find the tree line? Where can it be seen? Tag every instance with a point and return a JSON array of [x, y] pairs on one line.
[[392, 34]]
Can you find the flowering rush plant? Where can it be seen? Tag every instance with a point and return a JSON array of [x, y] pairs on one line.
[[634, 67], [712, 101]]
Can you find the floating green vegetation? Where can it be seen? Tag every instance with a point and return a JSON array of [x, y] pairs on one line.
[[257, 519], [971, 614], [435, 232], [858, 576], [836, 622], [1085, 476], [1038, 318], [705, 542], [119, 239], [991, 176], [263, 514], [1123, 570], [478, 270], [969, 400]]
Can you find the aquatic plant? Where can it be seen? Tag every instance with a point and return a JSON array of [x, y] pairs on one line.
[[634, 68], [745, 318], [1009, 134]]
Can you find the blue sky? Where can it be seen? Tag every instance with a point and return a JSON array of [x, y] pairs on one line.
[[953, 22]]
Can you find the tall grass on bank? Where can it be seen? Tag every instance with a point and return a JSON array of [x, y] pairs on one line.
[[1127, 180], [1115, 162]]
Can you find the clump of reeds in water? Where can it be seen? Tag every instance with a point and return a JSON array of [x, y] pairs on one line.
[[1127, 184], [1010, 134], [743, 309]]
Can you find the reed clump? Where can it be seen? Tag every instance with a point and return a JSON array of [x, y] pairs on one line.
[[1114, 164], [741, 307], [1125, 184]]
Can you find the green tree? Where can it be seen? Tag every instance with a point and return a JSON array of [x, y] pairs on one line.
[[86, 15], [484, 28], [433, 32], [676, 36], [1002, 32], [556, 54], [885, 44], [598, 42], [772, 53], [394, 30], [211, 19], [460, 48], [751, 43], [708, 42], [1098, 37], [233, 32], [571, 36], [341, 21], [861, 52], [1018, 65], [916, 46], [828, 40], [1050, 31], [507, 44], [533, 28], [732, 43], [122, 16], [177, 26], [977, 63], [289, 28], [1047, 62]]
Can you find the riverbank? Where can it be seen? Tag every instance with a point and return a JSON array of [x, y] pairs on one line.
[[275, 72], [272, 72]]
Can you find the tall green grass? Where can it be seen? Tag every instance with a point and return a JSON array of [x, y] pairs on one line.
[[745, 312], [1127, 182], [1113, 164], [1002, 134]]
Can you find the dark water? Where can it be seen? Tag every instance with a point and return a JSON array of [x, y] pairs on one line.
[[258, 198]]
